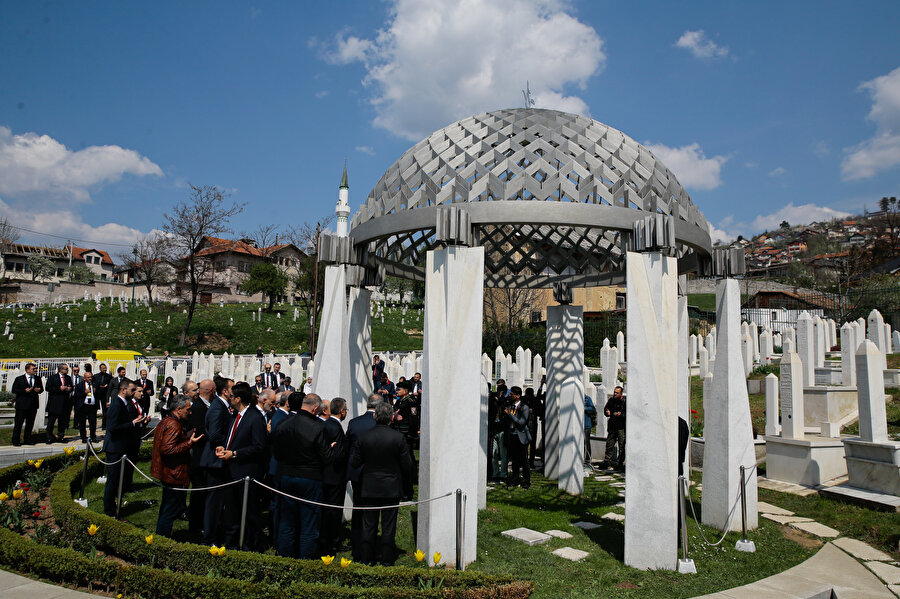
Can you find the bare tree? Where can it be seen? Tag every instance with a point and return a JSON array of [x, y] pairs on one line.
[[265, 238], [147, 261], [307, 273], [204, 214], [9, 233]]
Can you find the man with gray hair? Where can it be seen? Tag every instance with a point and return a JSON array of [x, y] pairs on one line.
[[171, 461], [355, 428], [334, 481], [200, 395]]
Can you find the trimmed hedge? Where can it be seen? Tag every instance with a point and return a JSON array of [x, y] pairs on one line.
[[190, 571]]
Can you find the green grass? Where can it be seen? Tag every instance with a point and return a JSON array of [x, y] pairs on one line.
[[703, 301], [757, 406], [210, 330], [893, 417], [544, 507]]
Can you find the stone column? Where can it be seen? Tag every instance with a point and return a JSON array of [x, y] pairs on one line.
[[360, 350], [452, 402], [875, 326], [683, 372], [692, 350], [620, 345], [848, 355], [331, 377], [771, 405], [727, 426], [754, 335], [870, 380], [483, 444], [819, 342], [806, 348], [704, 361], [792, 408], [651, 511], [564, 404], [747, 354]]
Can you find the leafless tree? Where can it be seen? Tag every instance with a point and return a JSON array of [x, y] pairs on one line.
[[265, 238], [9, 233], [148, 261], [306, 275], [205, 213]]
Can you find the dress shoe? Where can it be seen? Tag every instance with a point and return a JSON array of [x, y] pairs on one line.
[[16, 444], [95, 440], [49, 441], [30, 442]]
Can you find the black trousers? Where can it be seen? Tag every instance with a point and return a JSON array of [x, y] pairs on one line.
[[330, 528], [387, 550], [516, 451], [614, 436], [111, 492], [197, 504], [60, 421], [356, 524], [24, 416], [85, 419], [234, 504], [213, 519]]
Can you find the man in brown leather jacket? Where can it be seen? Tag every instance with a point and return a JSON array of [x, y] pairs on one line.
[[171, 461]]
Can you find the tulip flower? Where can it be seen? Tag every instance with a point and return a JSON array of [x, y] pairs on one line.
[[69, 450], [36, 515], [149, 539], [17, 493], [420, 555], [327, 559], [3, 496], [437, 558], [345, 562], [37, 463], [92, 529], [31, 462], [219, 551]]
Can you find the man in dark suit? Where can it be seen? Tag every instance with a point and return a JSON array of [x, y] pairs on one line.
[[86, 406], [102, 380], [518, 437], [59, 389], [114, 382], [383, 455], [279, 376], [26, 388], [218, 424], [244, 455], [355, 428], [334, 480], [377, 369], [147, 385], [201, 397], [122, 431], [283, 411], [268, 377], [286, 386]]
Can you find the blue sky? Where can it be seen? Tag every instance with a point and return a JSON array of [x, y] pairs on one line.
[[765, 111]]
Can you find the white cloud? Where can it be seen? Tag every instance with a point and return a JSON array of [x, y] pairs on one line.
[[701, 46], [321, 94], [436, 61], [882, 151], [690, 165], [717, 234], [795, 215], [366, 150], [750, 165], [38, 163], [777, 171], [821, 149]]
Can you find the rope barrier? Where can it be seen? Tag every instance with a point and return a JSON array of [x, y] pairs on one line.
[[727, 522], [361, 507], [185, 489], [93, 451]]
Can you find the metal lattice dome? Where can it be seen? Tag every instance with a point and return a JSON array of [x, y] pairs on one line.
[[553, 197]]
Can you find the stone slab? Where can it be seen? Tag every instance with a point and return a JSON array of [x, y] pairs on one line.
[[575, 555], [768, 508], [14, 585], [864, 497], [895, 589], [886, 572], [814, 528], [618, 485], [783, 487], [861, 550], [613, 516], [605, 478], [785, 519], [620, 504], [558, 534], [586, 525], [527, 536]]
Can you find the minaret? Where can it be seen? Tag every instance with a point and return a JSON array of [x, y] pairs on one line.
[[343, 206]]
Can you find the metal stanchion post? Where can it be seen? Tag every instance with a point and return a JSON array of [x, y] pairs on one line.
[[685, 564], [121, 482], [84, 471], [744, 544], [460, 528], [244, 510]]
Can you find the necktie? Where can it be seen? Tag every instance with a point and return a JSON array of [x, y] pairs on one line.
[[233, 428], [90, 395], [138, 407], [30, 382]]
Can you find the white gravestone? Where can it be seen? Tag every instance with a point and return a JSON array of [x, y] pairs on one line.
[[848, 355], [792, 407], [771, 405], [806, 347], [875, 325]]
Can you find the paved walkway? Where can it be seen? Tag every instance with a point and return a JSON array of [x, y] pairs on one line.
[[14, 585]]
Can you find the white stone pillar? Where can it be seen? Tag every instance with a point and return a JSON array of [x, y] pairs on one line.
[[704, 361], [683, 372], [452, 397], [848, 356], [487, 368], [359, 346], [792, 406], [875, 334], [747, 354], [771, 405], [483, 443], [604, 364], [887, 339], [499, 361], [692, 350], [537, 371], [895, 341], [870, 380], [526, 364], [331, 377], [564, 403], [727, 427], [819, 342], [602, 398], [806, 348], [620, 345], [754, 336], [651, 511]]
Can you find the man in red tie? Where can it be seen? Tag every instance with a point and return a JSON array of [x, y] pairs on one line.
[[59, 387]]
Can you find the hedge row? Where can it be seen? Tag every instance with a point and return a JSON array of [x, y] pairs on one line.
[[291, 577]]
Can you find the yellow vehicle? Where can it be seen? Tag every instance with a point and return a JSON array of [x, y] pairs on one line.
[[14, 363], [115, 355]]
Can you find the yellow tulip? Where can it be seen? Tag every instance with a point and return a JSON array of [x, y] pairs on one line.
[[92, 529], [219, 551], [37, 463], [437, 558], [17, 493], [69, 450], [3, 496], [31, 462], [345, 562], [420, 555], [149, 539], [327, 559]]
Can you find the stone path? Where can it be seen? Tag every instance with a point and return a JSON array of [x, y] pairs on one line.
[[14, 585]]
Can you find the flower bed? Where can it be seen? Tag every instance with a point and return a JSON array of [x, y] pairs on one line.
[[117, 556]]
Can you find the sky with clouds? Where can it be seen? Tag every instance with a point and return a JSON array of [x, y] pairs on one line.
[[765, 111]]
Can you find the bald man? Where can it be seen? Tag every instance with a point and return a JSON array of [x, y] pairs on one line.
[[200, 396]]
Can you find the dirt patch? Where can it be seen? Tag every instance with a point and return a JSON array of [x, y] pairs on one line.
[[627, 585], [214, 342], [801, 538]]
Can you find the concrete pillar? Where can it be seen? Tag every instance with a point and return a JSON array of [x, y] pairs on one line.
[[704, 361], [806, 348], [683, 372], [526, 364], [360, 352], [331, 377], [870, 380], [754, 336], [692, 350], [771, 405], [620, 345], [792, 407], [875, 325], [651, 521], [819, 341], [747, 354], [727, 426], [452, 398], [564, 404], [848, 355], [483, 444]]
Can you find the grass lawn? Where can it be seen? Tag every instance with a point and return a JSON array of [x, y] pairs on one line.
[[757, 408], [544, 507], [703, 301], [893, 417]]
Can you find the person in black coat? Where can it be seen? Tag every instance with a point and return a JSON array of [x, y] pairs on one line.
[[102, 380], [334, 480], [122, 433], [86, 406], [147, 396], [244, 454], [518, 436], [355, 428], [201, 397], [113, 388], [27, 389], [383, 455], [59, 390], [218, 425]]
